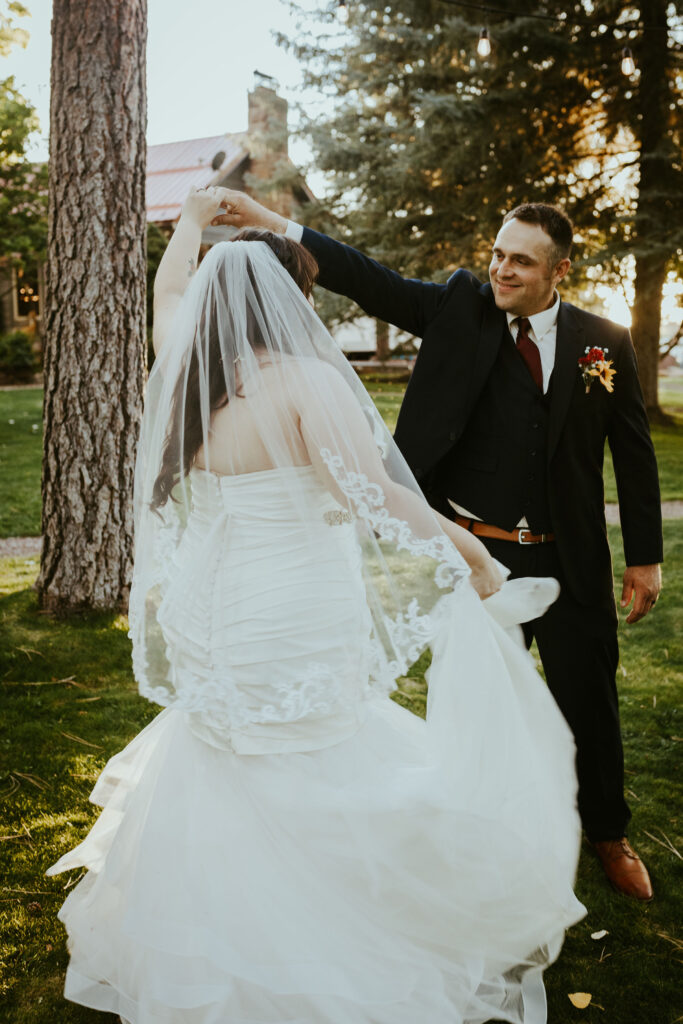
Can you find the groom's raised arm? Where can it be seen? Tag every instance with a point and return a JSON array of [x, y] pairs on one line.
[[380, 292]]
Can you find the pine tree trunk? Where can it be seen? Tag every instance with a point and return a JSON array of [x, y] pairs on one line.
[[651, 259], [382, 350], [647, 320], [95, 302]]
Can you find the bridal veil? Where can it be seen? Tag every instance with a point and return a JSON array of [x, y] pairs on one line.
[[247, 370]]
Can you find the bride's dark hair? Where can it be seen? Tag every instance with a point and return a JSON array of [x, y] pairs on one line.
[[303, 270]]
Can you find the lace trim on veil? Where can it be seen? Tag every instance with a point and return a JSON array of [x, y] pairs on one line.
[[369, 503]]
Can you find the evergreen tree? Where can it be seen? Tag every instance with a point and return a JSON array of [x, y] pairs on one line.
[[429, 145]]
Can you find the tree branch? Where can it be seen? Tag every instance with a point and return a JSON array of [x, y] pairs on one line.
[[673, 341]]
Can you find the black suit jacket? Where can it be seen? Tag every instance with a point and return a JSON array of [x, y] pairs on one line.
[[461, 330]]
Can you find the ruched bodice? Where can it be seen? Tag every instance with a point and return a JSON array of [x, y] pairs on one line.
[[264, 610], [269, 495]]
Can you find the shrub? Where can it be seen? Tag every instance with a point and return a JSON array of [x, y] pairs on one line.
[[16, 353]]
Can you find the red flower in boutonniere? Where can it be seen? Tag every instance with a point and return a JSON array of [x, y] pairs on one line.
[[594, 364]]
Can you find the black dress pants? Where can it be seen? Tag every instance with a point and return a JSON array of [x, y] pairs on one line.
[[580, 654]]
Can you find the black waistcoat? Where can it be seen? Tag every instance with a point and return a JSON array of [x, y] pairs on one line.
[[497, 469]]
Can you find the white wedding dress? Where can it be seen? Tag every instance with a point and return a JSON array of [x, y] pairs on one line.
[[284, 844]]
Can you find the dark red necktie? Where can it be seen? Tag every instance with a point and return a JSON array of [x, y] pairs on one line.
[[528, 350]]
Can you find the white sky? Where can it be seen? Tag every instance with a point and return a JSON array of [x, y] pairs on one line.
[[201, 55]]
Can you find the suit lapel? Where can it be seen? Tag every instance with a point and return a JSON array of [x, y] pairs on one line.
[[568, 349], [490, 337]]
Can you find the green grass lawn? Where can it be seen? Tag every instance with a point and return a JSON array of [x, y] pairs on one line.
[[68, 702], [21, 438]]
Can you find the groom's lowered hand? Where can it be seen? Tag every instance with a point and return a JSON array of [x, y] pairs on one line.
[[241, 211], [642, 584]]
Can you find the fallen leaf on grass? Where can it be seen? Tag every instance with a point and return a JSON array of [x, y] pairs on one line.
[[580, 999], [600, 934]]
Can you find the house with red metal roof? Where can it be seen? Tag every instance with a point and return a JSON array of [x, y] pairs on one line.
[[254, 161]]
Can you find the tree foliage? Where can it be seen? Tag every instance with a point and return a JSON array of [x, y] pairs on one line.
[[428, 145], [12, 34], [23, 184]]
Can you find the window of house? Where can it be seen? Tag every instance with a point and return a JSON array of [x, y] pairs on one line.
[[27, 293]]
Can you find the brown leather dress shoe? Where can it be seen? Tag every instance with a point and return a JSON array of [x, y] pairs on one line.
[[624, 868]]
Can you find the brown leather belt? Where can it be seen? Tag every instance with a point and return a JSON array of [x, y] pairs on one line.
[[518, 536]]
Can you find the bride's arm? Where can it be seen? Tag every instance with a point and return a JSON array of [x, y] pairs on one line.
[[330, 417], [179, 261]]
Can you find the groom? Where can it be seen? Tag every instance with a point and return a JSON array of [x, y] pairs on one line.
[[504, 424]]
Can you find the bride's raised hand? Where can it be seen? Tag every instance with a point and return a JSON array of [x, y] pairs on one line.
[[239, 210], [202, 205]]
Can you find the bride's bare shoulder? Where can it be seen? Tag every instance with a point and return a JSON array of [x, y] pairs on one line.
[[309, 369], [306, 383]]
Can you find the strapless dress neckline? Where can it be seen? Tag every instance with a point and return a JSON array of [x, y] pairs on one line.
[[201, 471]]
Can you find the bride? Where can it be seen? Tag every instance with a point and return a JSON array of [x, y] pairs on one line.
[[284, 844]]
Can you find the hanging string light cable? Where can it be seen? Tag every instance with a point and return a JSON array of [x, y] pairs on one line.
[[628, 65], [574, 22]]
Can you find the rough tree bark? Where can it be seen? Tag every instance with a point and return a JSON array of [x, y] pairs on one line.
[[95, 302], [651, 256], [382, 350]]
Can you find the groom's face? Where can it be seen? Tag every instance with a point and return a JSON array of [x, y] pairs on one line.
[[522, 273]]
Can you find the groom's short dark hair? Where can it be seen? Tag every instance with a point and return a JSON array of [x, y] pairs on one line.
[[554, 222]]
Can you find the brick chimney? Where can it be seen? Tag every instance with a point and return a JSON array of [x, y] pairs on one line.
[[268, 134]]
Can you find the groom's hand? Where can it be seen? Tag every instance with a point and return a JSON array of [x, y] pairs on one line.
[[642, 584], [241, 211]]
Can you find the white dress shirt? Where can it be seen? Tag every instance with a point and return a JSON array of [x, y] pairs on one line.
[[294, 231], [543, 332]]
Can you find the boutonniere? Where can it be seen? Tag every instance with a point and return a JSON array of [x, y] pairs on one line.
[[594, 364]]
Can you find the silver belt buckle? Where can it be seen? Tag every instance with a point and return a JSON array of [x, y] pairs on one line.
[[521, 541]]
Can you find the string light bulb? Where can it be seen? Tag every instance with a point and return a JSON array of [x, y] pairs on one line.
[[342, 12], [484, 44], [628, 65]]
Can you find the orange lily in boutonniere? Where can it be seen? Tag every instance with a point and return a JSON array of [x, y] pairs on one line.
[[593, 364]]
